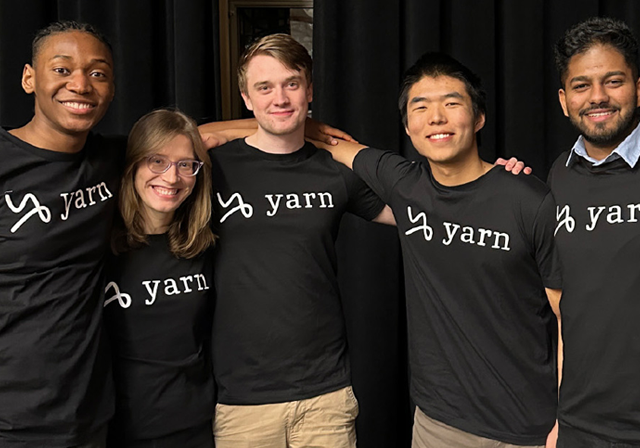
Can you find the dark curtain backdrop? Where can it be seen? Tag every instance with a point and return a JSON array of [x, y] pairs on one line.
[[361, 49], [166, 54]]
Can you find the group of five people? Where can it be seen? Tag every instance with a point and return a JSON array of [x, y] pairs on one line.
[[482, 251]]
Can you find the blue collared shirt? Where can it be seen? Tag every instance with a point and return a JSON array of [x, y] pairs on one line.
[[629, 150]]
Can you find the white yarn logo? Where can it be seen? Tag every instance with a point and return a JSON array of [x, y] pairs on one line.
[[564, 219], [42, 211], [123, 299], [245, 208], [427, 231]]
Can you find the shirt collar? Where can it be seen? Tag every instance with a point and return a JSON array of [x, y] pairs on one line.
[[628, 150]]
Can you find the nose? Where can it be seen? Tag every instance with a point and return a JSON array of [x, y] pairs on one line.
[[281, 98], [598, 94], [437, 115], [79, 82], [171, 175]]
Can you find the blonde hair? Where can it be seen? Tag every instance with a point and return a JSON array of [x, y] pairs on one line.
[[189, 232], [283, 48]]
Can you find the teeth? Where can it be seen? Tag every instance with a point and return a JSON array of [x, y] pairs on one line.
[[74, 105], [439, 136], [166, 191], [599, 114]]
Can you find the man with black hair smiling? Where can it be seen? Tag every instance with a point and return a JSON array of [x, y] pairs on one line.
[[597, 188], [482, 277], [59, 186]]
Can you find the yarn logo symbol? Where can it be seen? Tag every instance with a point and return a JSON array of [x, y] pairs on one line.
[[43, 212], [427, 231], [564, 219], [123, 299], [244, 207]]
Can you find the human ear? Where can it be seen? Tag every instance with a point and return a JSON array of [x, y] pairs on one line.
[[28, 79], [247, 101], [562, 97]]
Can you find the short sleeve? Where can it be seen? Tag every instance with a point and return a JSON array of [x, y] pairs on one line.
[[546, 254], [363, 202], [381, 170]]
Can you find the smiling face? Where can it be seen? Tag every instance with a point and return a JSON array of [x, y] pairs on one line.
[[162, 194], [278, 96], [600, 97], [440, 120], [72, 81]]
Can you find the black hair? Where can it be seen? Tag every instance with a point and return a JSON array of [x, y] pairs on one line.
[[65, 26], [596, 31]]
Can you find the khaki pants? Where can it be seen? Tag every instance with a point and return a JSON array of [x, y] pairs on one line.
[[430, 433], [325, 421]]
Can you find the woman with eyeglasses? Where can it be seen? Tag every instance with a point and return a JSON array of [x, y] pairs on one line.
[[159, 293]]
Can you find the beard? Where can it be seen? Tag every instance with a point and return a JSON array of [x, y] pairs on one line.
[[605, 134]]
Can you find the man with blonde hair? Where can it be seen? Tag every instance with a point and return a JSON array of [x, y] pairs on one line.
[[279, 342]]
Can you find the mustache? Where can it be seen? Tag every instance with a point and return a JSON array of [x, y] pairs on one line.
[[597, 107]]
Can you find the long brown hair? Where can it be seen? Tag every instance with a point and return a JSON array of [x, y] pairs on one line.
[[189, 232]]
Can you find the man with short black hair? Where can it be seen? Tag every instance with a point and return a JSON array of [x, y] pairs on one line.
[[59, 186], [482, 277], [597, 188]]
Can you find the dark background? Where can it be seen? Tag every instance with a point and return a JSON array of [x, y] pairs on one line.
[[166, 54]]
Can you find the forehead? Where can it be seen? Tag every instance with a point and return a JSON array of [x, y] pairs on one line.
[[265, 68], [178, 146], [74, 45], [597, 59], [431, 87]]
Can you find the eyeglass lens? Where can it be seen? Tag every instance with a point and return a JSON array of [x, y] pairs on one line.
[[160, 164]]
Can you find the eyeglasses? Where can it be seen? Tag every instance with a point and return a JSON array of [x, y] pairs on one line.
[[161, 164]]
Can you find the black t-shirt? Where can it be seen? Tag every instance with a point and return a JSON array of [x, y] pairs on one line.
[[55, 216], [158, 316], [598, 238], [477, 258], [279, 332]]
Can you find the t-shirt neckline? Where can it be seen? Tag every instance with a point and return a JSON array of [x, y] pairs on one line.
[[299, 155], [54, 156], [468, 185]]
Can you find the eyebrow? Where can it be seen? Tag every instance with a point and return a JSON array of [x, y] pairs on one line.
[[93, 61], [419, 99], [290, 78], [588, 78]]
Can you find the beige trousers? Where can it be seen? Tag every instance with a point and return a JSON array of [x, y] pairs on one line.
[[325, 421], [430, 433]]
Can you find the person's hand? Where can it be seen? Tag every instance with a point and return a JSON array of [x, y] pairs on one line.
[[552, 438], [211, 139], [315, 130], [513, 165]]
